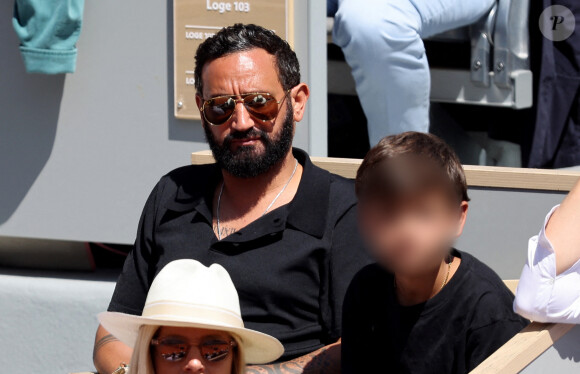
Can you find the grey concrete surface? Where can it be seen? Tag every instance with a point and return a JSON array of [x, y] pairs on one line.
[[48, 319]]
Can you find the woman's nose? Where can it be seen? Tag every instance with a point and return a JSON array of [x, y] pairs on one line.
[[194, 365]]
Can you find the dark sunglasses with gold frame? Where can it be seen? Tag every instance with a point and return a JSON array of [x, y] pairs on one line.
[[260, 105]]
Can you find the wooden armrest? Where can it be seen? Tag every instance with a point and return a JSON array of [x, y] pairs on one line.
[[512, 284], [477, 176], [523, 348]]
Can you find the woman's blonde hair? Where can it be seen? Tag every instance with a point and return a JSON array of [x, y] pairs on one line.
[[142, 363]]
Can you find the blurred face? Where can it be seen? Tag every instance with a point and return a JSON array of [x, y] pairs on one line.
[[246, 144], [177, 350], [414, 235]]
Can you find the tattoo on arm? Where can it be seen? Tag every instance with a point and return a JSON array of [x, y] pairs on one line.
[[103, 341], [323, 361], [289, 367]]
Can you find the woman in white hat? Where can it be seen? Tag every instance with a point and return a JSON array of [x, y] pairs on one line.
[[191, 323]]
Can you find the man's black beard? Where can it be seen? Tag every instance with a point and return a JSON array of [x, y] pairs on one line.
[[243, 162]]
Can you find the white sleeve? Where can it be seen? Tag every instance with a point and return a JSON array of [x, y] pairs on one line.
[[541, 295]]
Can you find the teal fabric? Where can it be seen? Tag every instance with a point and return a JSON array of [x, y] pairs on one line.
[[48, 32]]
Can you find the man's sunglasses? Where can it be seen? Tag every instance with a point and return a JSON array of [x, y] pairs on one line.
[[175, 349], [261, 105]]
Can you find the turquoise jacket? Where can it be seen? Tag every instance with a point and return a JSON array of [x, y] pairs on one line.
[[48, 32]]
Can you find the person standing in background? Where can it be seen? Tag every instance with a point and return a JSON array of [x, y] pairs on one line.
[[382, 43], [549, 288]]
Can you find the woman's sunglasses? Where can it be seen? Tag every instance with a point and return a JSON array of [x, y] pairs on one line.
[[175, 349], [261, 105]]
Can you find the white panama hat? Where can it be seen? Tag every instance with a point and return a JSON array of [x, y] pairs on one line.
[[186, 293]]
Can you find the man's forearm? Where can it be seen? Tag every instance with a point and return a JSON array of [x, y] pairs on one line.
[[109, 352], [325, 360], [563, 230]]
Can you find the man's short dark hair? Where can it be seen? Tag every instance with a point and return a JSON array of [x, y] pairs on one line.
[[240, 37], [409, 163]]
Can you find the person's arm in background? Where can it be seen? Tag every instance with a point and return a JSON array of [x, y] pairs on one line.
[[563, 231], [324, 360], [550, 282], [109, 353]]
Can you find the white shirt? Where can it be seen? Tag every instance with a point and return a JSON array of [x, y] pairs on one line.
[[541, 295]]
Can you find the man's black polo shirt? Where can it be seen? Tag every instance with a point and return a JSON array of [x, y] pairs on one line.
[[291, 267]]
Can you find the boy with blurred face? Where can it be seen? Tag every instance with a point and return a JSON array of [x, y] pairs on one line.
[[424, 307]]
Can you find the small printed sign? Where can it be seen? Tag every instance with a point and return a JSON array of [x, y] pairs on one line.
[[196, 20]]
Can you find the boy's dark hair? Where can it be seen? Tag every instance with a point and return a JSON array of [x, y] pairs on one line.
[[241, 37], [407, 163]]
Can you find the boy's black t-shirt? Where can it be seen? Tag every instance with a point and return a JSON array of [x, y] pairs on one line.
[[452, 332]]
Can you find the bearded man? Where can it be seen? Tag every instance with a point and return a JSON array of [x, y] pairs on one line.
[[284, 229]]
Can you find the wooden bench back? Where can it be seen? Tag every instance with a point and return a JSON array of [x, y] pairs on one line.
[[477, 176]]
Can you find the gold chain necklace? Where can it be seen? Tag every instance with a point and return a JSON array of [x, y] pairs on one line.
[[447, 275]]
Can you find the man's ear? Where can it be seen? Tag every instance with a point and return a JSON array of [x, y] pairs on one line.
[[462, 217], [198, 101], [299, 95]]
